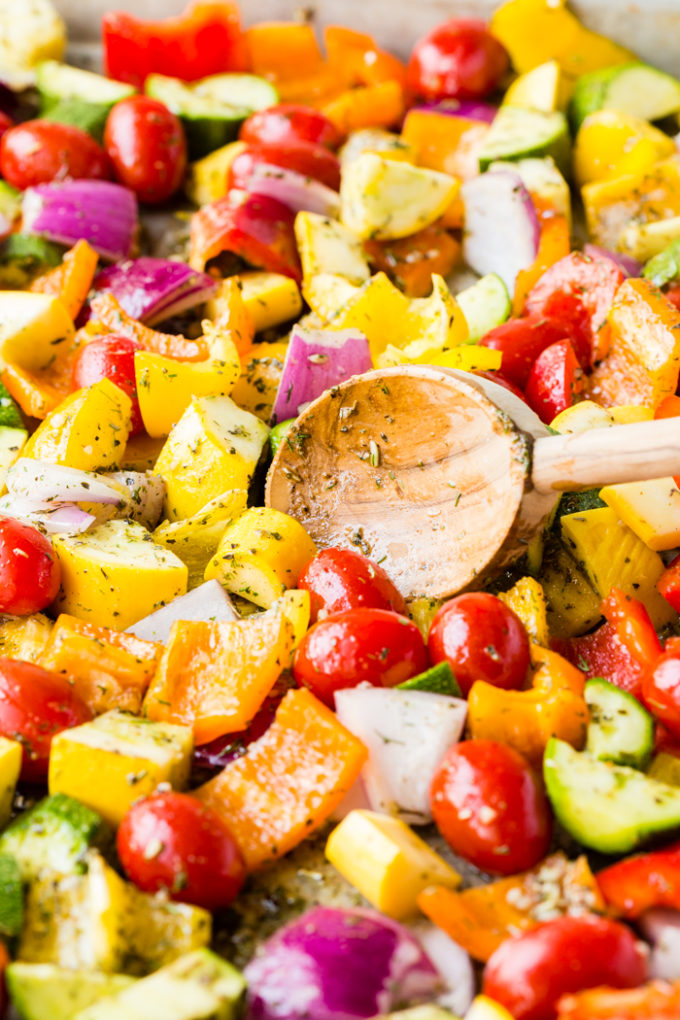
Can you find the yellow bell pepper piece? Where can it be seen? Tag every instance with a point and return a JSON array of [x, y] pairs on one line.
[[115, 759], [387, 862], [527, 599], [628, 414], [33, 329], [611, 143], [10, 766], [270, 299], [651, 509], [24, 637]]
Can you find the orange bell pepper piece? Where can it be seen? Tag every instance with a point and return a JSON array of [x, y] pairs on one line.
[[289, 781], [445, 143], [657, 1000], [214, 676], [36, 393], [480, 919], [643, 363], [108, 669], [526, 720], [71, 281], [288, 54], [109, 317], [552, 246], [380, 105], [355, 59], [235, 317], [411, 261]]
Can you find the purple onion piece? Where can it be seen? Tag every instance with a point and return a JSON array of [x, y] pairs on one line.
[[469, 109], [151, 289], [627, 263]]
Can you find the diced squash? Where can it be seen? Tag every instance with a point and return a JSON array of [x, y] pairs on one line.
[[611, 143], [215, 446], [382, 199], [110, 762], [326, 246], [573, 605], [629, 414], [612, 555], [115, 574], [387, 862], [289, 782], [270, 298], [651, 509], [24, 637], [582, 417], [614, 203], [33, 329], [256, 388], [88, 430], [10, 766], [260, 555], [643, 363], [645, 240], [107, 669], [527, 599], [159, 931], [377, 140], [12, 443], [542, 88], [328, 293], [207, 178], [195, 539]]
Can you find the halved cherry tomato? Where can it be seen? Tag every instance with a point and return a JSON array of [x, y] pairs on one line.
[[288, 124], [40, 151], [147, 146], [555, 381], [342, 579], [111, 357], [458, 59], [490, 808], [661, 691], [528, 974], [669, 583], [481, 639], [371, 646], [29, 570], [36, 704], [520, 341], [305, 158], [172, 842]]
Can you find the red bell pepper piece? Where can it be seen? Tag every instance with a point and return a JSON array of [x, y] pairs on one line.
[[555, 381], [521, 341], [306, 158], [205, 39], [633, 626], [661, 691], [645, 880], [669, 583], [578, 291], [257, 228]]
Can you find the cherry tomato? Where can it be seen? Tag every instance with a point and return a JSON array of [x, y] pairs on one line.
[[111, 357], [529, 973], [171, 841], [305, 158], [481, 639], [35, 704], [40, 151], [661, 691], [147, 146], [500, 380], [673, 295], [459, 59], [490, 808], [521, 341], [288, 123], [555, 381], [341, 579], [371, 646], [29, 570]]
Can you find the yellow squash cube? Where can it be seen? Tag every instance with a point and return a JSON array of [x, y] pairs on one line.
[[261, 554], [542, 88], [611, 205], [33, 328], [195, 539], [207, 177], [651, 509], [527, 599], [214, 446], [326, 246], [328, 293], [387, 862], [10, 766], [378, 141], [88, 430], [115, 574], [110, 762]]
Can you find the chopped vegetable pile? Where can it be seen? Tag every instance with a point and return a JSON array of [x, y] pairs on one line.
[[242, 776]]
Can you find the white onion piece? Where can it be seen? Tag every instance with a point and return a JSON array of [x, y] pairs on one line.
[[207, 602], [661, 925], [452, 962], [146, 493], [53, 518], [406, 733], [501, 226], [57, 483], [299, 193]]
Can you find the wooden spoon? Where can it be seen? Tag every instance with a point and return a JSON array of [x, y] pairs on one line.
[[444, 477]]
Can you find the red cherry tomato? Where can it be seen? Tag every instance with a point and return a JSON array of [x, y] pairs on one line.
[[111, 357], [521, 341], [147, 146], [528, 974], [371, 646], [341, 579], [481, 639], [288, 123], [490, 808], [661, 691], [29, 570], [305, 158], [500, 380], [172, 842], [40, 151], [459, 59], [555, 381], [35, 704]]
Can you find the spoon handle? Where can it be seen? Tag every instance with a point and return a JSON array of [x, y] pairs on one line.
[[622, 453]]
